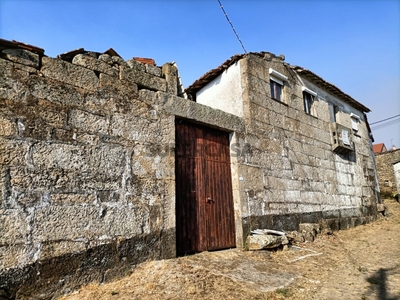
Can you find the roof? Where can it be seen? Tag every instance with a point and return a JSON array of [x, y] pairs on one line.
[[68, 56], [15, 44], [379, 148], [211, 75], [329, 87]]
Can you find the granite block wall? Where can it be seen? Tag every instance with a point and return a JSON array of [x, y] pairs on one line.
[[86, 169], [290, 172]]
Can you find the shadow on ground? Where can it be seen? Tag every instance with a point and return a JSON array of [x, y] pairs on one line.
[[379, 283]]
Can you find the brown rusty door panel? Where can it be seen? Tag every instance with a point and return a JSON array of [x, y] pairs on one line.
[[204, 202]]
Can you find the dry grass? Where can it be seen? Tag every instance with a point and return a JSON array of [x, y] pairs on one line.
[[359, 263]]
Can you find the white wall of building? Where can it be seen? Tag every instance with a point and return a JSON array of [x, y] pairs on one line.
[[396, 168], [224, 92]]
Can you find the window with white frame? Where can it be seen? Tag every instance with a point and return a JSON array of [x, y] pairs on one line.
[[276, 84], [276, 90], [354, 121], [308, 100]]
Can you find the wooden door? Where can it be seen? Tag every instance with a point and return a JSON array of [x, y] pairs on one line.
[[204, 203]]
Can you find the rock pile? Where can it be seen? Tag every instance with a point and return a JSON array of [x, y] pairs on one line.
[[270, 239]]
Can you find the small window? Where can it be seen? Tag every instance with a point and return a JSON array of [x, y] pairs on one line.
[[308, 100], [354, 121], [333, 109], [276, 84], [276, 90]]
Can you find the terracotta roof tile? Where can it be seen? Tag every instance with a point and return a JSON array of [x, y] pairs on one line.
[[379, 148], [144, 60]]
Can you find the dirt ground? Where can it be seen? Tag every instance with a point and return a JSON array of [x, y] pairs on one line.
[[358, 263]]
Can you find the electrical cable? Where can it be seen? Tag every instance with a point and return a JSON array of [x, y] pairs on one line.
[[229, 21], [379, 126], [384, 120]]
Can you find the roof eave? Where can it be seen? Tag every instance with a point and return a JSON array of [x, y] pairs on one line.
[[329, 87]]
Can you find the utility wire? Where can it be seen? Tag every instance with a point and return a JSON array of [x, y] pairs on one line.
[[229, 21], [384, 120], [379, 126]]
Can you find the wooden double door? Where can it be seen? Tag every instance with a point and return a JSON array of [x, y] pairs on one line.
[[204, 202]]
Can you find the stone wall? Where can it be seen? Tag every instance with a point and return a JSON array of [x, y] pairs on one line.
[[290, 173], [86, 169], [386, 173], [87, 174]]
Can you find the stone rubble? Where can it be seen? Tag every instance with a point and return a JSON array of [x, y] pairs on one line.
[[307, 233]]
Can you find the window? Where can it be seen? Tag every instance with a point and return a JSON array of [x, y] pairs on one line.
[[276, 90], [354, 121], [308, 100], [333, 109], [276, 84]]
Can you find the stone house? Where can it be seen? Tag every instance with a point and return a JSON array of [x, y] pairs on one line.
[[306, 153], [388, 169], [105, 163]]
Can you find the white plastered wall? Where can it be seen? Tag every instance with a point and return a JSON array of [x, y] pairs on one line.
[[396, 168], [224, 92]]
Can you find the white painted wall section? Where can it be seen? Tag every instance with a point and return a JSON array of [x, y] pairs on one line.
[[224, 92], [396, 168]]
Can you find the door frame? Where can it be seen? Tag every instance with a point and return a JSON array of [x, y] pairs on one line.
[[235, 183]]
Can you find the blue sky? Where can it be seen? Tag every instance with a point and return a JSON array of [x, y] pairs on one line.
[[353, 44]]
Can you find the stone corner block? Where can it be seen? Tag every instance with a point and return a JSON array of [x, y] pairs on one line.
[[170, 73]]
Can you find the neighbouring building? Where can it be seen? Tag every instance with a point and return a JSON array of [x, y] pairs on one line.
[[105, 163], [379, 148], [388, 169]]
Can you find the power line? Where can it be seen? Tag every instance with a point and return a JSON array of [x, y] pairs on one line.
[[384, 120], [229, 21], [379, 126]]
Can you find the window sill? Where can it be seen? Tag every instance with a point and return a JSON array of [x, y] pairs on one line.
[[311, 115], [276, 100]]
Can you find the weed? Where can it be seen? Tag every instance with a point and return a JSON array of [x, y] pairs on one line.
[[283, 292], [113, 293], [362, 269]]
